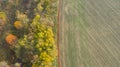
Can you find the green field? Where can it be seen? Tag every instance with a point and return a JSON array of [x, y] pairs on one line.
[[90, 33]]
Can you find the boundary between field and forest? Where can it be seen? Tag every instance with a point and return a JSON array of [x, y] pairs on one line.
[[58, 31]]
